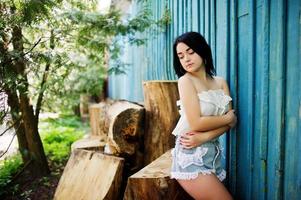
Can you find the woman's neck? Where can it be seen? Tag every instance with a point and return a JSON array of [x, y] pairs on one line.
[[200, 74]]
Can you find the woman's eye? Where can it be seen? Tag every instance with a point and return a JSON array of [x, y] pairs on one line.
[[191, 52], [181, 58]]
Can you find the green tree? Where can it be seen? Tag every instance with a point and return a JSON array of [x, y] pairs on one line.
[[40, 44]]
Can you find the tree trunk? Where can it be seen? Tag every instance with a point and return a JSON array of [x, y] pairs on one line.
[[161, 117], [84, 106], [153, 182], [19, 125], [38, 166]]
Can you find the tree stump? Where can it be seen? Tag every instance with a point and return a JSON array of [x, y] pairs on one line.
[[161, 117], [153, 182], [126, 126], [98, 118], [90, 176]]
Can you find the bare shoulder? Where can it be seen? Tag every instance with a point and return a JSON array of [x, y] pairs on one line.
[[185, 83], [221, 81]]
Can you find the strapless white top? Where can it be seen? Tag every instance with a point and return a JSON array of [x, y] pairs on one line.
[[212, 103]]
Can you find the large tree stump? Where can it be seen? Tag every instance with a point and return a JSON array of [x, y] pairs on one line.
[[161, 117], [125, 130], [153, 182], [90, 176]]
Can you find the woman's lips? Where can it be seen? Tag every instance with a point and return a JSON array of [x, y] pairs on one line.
[[189, 65]]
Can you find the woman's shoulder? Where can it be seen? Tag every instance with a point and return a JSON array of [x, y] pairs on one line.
[[184, 79], [185, 82], [220, 81]]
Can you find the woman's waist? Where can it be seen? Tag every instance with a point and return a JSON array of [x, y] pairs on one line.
[[214, 142]]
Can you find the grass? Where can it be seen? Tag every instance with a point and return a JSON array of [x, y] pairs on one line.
[[57, 136]]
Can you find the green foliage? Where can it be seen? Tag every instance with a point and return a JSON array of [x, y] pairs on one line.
[[8, 168], [66, 40], [58, 135]]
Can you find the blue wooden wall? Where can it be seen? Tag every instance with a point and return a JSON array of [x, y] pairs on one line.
[[256, 47]]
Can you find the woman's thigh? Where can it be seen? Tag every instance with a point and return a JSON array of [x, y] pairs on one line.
[[205, 187]]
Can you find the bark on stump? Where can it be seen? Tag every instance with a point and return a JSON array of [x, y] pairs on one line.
[[90, 176], [153, 182], [161, 117]]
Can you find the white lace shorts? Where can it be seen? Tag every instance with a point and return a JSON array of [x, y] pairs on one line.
[[189, 163]]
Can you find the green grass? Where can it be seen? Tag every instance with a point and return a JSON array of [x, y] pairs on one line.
[[57, 136], [8, 168]]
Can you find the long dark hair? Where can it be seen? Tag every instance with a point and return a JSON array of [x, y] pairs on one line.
[[199, 45]]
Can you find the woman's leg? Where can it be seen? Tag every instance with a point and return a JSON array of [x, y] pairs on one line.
[[206, 187]]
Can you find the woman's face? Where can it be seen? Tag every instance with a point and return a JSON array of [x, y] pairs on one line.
[[189, 59]]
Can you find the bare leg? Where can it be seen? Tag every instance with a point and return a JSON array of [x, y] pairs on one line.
[[205, 187]]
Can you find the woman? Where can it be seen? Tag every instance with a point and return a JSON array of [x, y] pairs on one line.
[[206, 113]]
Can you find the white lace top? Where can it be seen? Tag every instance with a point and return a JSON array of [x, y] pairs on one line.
[[212, 102]]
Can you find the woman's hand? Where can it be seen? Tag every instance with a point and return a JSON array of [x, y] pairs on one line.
[[193, 139], [232, 118]]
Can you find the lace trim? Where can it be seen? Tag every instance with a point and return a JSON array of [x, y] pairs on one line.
[[193, 175], [221, 176], [216, 97], [185, 160]]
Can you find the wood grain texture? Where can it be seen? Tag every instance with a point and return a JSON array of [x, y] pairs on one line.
[[98, 124], [90, 176], [161, 117], [153, 182]]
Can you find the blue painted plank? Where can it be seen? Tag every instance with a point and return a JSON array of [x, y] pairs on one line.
[[276, 102], [233, 142], [244, 112], [212, 29], [207, 20], [259, 188], [221, 58], [292, 168], [202, 17], [195, 15]]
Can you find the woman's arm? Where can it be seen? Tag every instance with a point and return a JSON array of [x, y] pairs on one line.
[[192, 109], [194, 139]]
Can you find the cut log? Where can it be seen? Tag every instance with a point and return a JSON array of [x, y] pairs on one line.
[[153, 182], [98, 118], [126, 126], [161, 117], [96, 143], [97, 114], [90, 176]]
